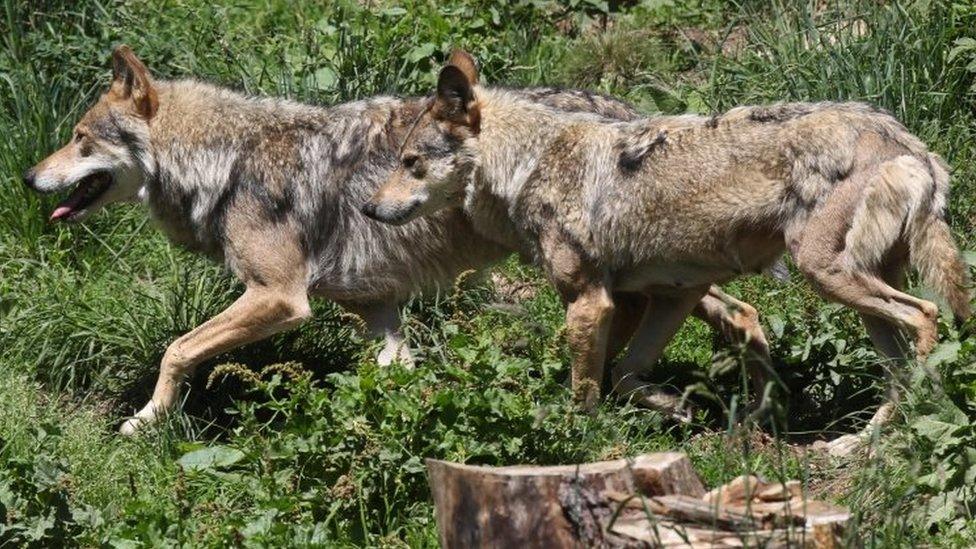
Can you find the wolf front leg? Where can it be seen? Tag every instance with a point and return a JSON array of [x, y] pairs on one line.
[[586, 292], [588, 317], [257, 314], [736, 320]]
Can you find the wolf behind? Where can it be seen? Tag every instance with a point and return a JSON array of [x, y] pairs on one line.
[[273, 189], [669, 205]]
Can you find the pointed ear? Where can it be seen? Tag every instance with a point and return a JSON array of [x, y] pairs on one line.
[[131, 80], [455, 98], [464, 61]]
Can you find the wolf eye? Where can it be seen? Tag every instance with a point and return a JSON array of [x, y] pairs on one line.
[[410, 161], [78, 136]]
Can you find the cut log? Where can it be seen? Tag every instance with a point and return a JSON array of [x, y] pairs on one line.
[[561, 506], [780, 491], [694, 510], [739, 489], [655, 500]]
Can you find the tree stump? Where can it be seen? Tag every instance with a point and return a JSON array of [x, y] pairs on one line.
[[653, 500]]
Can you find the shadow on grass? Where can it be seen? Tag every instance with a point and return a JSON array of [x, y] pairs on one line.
[[814, 406], [324, 346], [811, 408]]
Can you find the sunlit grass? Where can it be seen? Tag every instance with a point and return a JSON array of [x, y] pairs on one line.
[[87, 311]]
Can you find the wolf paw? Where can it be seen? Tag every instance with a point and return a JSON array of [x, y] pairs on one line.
[[130, 427], [388, 355], [145, 417], [671, 406], [844, 446]]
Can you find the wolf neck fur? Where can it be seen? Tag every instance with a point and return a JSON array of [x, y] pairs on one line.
[[514, 134]]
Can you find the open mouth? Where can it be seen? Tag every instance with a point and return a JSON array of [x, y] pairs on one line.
[[89, 189]]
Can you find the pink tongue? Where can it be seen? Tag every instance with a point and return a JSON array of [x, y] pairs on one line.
[[59, 212], [67, 206]]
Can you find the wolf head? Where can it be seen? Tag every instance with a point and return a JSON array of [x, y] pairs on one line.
[[434, 162], [108, 158]]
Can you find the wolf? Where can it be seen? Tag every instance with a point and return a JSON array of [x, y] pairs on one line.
[[669, 205], [272, 188]]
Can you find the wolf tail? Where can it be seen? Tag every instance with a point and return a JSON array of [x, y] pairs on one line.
[[933, 251], [905, 202]]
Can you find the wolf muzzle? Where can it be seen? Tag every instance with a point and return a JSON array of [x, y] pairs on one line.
[[391, 215], [29, 176], [369, 210]]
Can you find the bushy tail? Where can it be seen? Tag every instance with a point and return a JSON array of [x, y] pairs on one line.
[[933, 251], [905, 202], [939, 264]]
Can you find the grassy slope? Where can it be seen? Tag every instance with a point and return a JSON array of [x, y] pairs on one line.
[[87, 311]]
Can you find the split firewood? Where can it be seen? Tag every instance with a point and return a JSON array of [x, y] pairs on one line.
[[780, 491], [739, 489], [688, 509], [655, 500]]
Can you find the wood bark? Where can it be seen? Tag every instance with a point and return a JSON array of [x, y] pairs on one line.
[[653, 500], [527, 506]]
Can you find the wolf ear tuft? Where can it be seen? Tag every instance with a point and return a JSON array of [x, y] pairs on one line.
[[466, 63], [455, 98], [131, 80], [454, 91]]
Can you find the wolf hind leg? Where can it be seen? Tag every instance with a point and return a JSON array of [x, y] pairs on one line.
[[383, 320], [259, 313], [662, 317], [888, 339], [891, 342], [888, 313], [895, 348]]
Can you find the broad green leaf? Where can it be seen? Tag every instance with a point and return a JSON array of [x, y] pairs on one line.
[[969, 256], [777, 325], [413, 465], [420, 52], [212, 457], [946, 352], [933, 429], [324, 78], [962, 45]]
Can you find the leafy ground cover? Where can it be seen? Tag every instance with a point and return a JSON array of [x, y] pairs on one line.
[[303, 440]]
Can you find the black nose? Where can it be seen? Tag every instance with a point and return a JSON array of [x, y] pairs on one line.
[[29, 177], [369, 210]]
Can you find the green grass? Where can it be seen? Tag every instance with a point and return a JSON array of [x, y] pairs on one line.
[[306, 441]]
